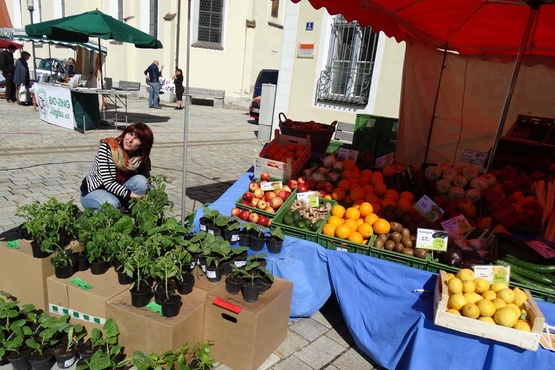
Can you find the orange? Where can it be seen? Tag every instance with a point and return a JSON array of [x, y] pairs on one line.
[[348, 164], [389, 171], [356, 194], [368, 188], [391, 193], [389, 202], [352, 224], [376, 180], [342, 231], [371, 198], [356, 172], [371, 218], [335, 221], [291, 147], [380, 189], [359, 222], [365, 209], [381, 226], [338, 194], [352, 213], [344, 184], [377, 207], [338, 210], [404, 205], [366, 173], [365, 230], [329, 230], [327, 196], [363, 181], [408, 195], [355, 237], [347, 174]]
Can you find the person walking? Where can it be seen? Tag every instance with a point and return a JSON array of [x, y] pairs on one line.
[[22, 79], [7, 67], [179, 89], [153, 75]]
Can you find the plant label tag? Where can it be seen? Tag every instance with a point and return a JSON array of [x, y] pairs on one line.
[[385, 160], [543, 249], [80, 283], [493, 274], [456, 225], [310, 197], [220, 302], [240, 263], [13, 244], [211, 274], [154, 307], [234, 238], [271, 185], [474, 157], [345, 153], [431, 239], [428, 208]]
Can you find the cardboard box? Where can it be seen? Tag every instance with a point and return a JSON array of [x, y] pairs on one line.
[[201, 281], [144, 330], [24, 276], [245, 340], [499, 333], [86, 307]]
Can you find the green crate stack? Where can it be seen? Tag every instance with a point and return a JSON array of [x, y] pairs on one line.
[[538, 293], [309, 235], [400, 258], [333, 243], [375, 134], [434, 266]]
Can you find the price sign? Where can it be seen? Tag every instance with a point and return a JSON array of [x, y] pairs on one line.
[[428, 208], [431, 239]]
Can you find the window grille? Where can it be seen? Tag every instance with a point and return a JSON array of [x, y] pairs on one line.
[[210, 21], [347, 76], [153, 22]]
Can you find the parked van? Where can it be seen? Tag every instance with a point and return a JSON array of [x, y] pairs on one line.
[[265, 76]]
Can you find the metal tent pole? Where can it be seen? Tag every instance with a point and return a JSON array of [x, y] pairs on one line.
[[186, 116]]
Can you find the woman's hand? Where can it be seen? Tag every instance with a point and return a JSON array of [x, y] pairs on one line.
[[133, 195]]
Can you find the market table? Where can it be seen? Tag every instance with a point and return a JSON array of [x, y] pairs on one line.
[[387, 307]]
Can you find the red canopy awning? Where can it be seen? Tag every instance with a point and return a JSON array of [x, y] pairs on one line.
[[4, 43]]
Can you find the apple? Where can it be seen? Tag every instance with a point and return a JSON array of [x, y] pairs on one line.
[[321, 193], [264, 176], [269, 223], [262, 220], [311, 183], [254, 202], [244, 215], [261, 204], [329, 187], [284, 194], [235, 211], [269, 196], [276, 202], [287, 188], [246, 203], [254, 185], [269, 209], [258, 193], [248, 196], [254, 217], [276, 191], [292, 184], [321, 185], [302, 188], [301, 180]]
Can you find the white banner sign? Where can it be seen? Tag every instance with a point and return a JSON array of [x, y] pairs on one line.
[[55, 105]]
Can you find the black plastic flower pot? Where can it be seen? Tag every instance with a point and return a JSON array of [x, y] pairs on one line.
[[214, 230], [227, 267], [123, 278], [4, 361], [42, 362], [203, 223], [274, 245], [37, 252], [250, 292], [233, 284], [99, 267], [244, 239], [214, 273], [187, 285], [263, 285], [63, 272], [141, 297], [20, 361], [80, 261], [257, 242], [171, 305], [232, 236], [240, 260], [160, 291], [85, 350], [65, 359]]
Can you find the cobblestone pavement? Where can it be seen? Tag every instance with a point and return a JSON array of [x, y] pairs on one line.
[[39, 160]]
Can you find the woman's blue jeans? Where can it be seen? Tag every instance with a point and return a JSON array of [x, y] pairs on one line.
[[138, 184]]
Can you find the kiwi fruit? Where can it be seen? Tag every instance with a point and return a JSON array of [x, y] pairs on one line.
[[383, 237], [389, 245], [420, 253], [407, 242], [405, 232], [396, 227], [398, 247], [378, 243], [395, 236], [408, 251]]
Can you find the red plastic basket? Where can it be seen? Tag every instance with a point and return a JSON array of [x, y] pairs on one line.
[[320, 134]]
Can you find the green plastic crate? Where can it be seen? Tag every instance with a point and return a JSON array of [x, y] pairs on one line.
[[337, 244], [309, 235], [400, 258], [239, 205], [536, 292], [434, 266]]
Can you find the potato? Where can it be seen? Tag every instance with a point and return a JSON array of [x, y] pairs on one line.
[[389, 245], [395, 236]]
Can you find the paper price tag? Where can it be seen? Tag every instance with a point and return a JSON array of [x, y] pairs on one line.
[[545, 250], [80, 283], [428, 208], [493, 274], [385, 160], [456, 225], [431, 239], [347, 154], [13, 244], [271, 185], [311, 197], [154, 307]]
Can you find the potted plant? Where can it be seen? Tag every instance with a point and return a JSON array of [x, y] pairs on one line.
[[182, 260], [166, 269], [201, 357], [275, 240], [219, 251], [256, 236], [150, 210], [49, 224], [234, 281], [45, 337], [13, 332], [210, 221], [137, 267], [250, 274], [63, 264], [66, 352], [183, 358], [101, 341], [231, 227], [198, 246], [96, 250]]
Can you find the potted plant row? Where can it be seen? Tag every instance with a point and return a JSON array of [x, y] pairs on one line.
[[252, 279]]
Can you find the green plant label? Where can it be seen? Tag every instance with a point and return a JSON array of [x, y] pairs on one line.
[[431, 239], [80, 283], [155, 307], [13, 244]]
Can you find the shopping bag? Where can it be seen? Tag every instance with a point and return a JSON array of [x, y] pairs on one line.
[[23, 93]]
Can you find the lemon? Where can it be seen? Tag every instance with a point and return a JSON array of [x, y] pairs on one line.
[[471, 310], [457, 301], [523, 325], [472, 297], [465, 274], [499, 303], [516, 309], [489, 295], [489, 320], [481, 285], [487, 308], [448, 276], [453, 311], [498, 286], [506, 316], [468, 286], [454, 285], [506, 294], [520, 297]]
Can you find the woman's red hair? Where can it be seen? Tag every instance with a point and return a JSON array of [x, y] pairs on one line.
[[143, 133]]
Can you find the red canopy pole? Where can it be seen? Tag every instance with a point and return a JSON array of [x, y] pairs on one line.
[[532, 17]]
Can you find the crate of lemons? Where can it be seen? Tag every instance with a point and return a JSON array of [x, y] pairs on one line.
[[493, 303]]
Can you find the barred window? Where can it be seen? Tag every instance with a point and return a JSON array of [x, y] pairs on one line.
[[153, 20], [347, 76], [210, 21]]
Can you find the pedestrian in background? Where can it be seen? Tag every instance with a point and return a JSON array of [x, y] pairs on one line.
[[153, 75], [22, 79], [7, 67], [178, 83], [70, 68]]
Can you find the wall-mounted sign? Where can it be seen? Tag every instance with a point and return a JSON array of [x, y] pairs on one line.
[[306, 50], [309, 26]]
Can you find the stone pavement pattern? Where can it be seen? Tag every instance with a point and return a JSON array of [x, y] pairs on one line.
[[39, 160]]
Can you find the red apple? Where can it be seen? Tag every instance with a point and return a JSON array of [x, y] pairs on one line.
[[321, 193], [284, 194], [261, 204], [329, 187], [254, 217], [248, 196], [254, 185], [235, 211], [254, 202], [276, 191], [264, 176], [246, 203], [321, 185], [269, 223], [269, 196], [258, 193], [292, 184], [302, 188], [301, 180], [276, 202], [244, 215], [287, 188], [311, 183], [269, 209], [262, 220]]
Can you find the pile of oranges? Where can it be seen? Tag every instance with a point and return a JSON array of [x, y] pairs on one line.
[[279, 152], [356, 224]]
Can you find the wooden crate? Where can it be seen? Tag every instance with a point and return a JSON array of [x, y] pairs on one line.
[[499, 333]]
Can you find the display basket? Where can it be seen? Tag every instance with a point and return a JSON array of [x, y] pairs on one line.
[[240, 205], [400, 258], [320, 134], [343, 245]]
